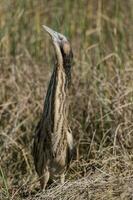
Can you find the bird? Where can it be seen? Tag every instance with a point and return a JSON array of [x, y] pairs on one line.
[[53, 139]]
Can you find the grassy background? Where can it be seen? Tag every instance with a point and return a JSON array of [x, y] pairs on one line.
[[101, 110]]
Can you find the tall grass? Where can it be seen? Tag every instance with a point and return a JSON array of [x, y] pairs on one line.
[[101, 112]]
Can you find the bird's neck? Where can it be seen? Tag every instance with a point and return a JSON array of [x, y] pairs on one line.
[[60, 101], [56, 102]]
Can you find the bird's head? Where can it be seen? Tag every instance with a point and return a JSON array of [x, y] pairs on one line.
[[62, 48]]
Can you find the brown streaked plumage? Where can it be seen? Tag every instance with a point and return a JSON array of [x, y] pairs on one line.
[[53, 142]]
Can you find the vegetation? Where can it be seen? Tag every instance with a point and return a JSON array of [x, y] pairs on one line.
[[101, 113]]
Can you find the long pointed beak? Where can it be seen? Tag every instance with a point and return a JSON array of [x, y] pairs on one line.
[[57, 37], [53, 34]]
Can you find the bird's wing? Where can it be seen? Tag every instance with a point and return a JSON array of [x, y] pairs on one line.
[[70, 145]]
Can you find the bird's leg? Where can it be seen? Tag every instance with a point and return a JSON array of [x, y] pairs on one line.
[[62, 178], [44, 179]]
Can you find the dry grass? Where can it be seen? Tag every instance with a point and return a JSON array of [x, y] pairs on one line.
[[101, 113], [100, 186]]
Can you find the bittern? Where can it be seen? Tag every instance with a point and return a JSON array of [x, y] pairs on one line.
[[53, 142]]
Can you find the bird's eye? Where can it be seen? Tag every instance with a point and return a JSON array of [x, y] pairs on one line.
[[60, 37]]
